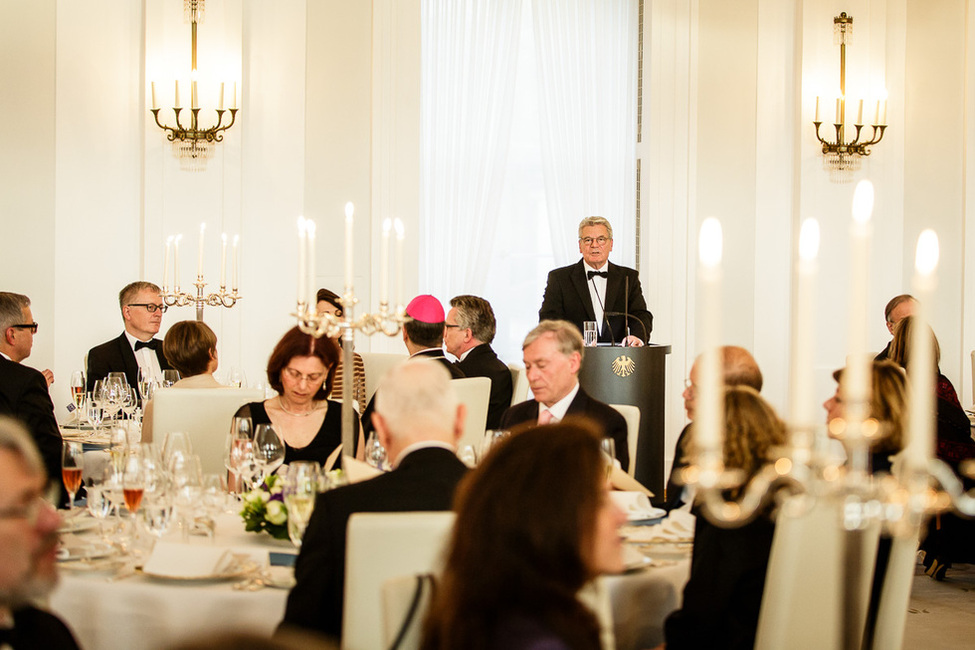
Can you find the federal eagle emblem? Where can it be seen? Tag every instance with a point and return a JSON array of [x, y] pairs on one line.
[[623, 366]]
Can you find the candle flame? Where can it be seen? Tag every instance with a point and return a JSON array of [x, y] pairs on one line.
[[709, 244], [236, 239], [926, 258], [224, 237], [400, 230], [387, 225], [169, 240], [203, 226], [349, 210], [301, 225], [863, 201], [178, 237], [809, 240], [310, 227]]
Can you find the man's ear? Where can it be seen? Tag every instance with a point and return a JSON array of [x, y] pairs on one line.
[[459, 421], [8, 336], [382, 432]]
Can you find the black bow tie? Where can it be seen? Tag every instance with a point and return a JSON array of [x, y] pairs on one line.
[[591, 274], [145, 344]]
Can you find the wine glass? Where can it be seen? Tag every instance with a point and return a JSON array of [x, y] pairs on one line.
[[99, 504], [78, 393], [118, 445], [170, 377], [241, 431], [186, 478], [147, 384], [237, 378], [268, 449], [157, 513], [133, 479], [129, 401], [491, 438], [300, 490], [608, 447], [72, 462], [175, 444], [375, 452], [118, 377], [467, 455], [94, 412]]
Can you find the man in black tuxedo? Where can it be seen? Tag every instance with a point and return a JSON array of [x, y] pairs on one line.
[[468, 333], [739, 368], [423, 337], [553, 353], [23, 390], [595, 289], [142, 309], [418, 420], [28, 547]]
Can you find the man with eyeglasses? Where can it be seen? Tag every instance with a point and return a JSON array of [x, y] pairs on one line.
[[23, 390], [28, 547], [134, 349], [595, 289]]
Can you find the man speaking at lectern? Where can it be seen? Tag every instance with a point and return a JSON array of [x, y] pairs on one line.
[[595, 289]]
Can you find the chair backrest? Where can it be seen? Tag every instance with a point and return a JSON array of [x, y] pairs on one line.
[[375, 365], [973, 376], [519, 383], [631, 414], [383, 546], [203, 413], [895, 594], [474, 392], [804, 599], [400, 611]]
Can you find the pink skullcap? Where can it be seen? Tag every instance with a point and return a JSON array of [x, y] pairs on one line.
[[425, 309]]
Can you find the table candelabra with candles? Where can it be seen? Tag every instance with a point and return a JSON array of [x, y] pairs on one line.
[[919, 486], [173, 297], [386, 320]]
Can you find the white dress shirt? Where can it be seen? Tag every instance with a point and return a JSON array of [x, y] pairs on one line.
[[560, 407], [597, 292], [146, 358]]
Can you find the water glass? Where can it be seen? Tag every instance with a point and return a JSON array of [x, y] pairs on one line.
[[375, 452], [589, 333]]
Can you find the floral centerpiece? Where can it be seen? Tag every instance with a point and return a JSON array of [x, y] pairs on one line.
[[264, 508]]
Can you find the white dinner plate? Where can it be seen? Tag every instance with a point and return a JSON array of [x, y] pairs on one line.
[[238, 570], [77, 523], [89, 551]]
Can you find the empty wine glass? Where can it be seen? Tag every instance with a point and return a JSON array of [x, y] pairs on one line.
[[147, 384], [157, 513], [237, 378], [186, 479], [300, 491], [94, 412], [129, 401], [176, 444], [375, 452], [72, 463], [608, 447], [268, 449], [491, 438], [241, 431], [99, 504], [170, 377]]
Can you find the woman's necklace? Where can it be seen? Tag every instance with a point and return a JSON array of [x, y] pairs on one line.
[[297, 415]]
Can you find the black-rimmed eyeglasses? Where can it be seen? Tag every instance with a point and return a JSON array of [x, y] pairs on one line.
[[26, 326], [589, 241], [151, 308]]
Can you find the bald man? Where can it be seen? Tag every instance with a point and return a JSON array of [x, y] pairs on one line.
[[740, 369]]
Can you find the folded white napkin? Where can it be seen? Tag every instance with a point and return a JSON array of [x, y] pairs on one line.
[[677, 527], [173, 560], [356, 470], [636, 505]]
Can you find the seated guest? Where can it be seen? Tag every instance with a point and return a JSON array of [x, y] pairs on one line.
[[423, 337], [28, 547], [135, 348], [23, 390], [301, 368], [534, 524], [723, 596], [552, 353], [191, 348], [950, 538], [899, 308], [328, 302], [470, 328], [418, 420], [740, 369]]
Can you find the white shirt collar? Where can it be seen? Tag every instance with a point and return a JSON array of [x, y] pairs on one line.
[[131, 339], [423, 444], [589, 268], [5, 356], [559, 409]]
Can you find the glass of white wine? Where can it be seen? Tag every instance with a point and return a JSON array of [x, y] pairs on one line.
[[300, 491], [78, 394]]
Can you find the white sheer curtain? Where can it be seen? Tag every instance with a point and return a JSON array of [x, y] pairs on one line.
[[586, 52], [469, 54]]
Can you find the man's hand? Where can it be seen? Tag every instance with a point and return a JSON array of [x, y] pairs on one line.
[[48, 375], [634, 342]]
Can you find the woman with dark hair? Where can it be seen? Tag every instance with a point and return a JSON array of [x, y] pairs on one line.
[[534, 524], [723, 596], [328, 302], [301, 368]]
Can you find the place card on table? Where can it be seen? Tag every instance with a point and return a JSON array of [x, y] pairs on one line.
[[176, 560]]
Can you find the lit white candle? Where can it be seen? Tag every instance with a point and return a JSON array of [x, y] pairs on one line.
[[302, 262], [153, 86], [804, 333], [384, 263], [199, 261], [221, 96], [176, 261], [349, 232], [817, 109], [400, 234], [856, 379], [838, 119], [860, 113], [236, 260], [921, 364], [194, 99], [223, 260], [312, 281], [169, 243], [176, 103], [708, 415]]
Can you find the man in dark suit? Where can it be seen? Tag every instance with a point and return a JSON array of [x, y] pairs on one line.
[[23, 390], [739, 369], [423, 337], [470, 328], [418, 420], [142, 309], [595, 289], [898, 308], [553, 353]]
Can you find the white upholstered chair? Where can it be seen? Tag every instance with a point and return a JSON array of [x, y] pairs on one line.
[[631, 414], [383, 546], [203, 413], [375, 365], [519, 383], [475, 393]]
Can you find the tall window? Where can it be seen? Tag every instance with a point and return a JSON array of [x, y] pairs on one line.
[[529, 125]]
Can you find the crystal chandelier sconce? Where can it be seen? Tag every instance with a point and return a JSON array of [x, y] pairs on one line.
[[193, 143], [842, 157]]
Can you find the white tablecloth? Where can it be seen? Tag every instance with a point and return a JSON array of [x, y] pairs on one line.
[[140, 612]]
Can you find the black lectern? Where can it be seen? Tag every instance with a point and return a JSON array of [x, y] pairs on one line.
[[634, 376]]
